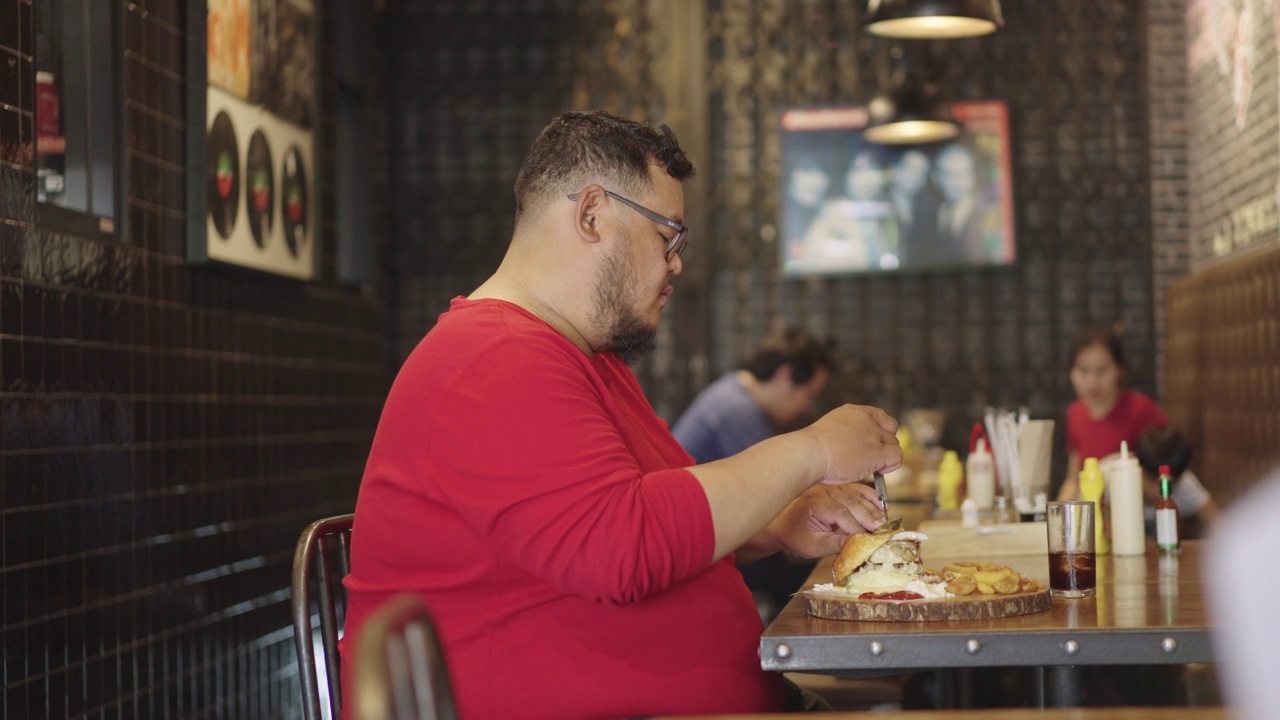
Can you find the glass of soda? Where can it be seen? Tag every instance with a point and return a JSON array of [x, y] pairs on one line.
[[1072, 569]]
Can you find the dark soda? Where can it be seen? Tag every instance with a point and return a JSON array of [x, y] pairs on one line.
[[1072, 571]]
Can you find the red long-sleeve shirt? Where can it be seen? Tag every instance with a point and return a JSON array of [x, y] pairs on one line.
[[532, 497]]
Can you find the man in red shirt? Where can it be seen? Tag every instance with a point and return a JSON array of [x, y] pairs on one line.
[[577, 562]]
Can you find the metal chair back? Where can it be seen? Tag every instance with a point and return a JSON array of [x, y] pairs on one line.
[[400, 670], [320, 562]]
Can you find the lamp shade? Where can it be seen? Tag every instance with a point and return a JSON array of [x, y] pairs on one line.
[[933, 19], [909, 115]]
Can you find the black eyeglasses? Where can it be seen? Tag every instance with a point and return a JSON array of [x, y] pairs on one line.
[[676, 244]]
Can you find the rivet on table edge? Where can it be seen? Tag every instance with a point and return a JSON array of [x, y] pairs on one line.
[[1071, 647], [876, 648], [1168, 644], [782, 650], [972, 646]]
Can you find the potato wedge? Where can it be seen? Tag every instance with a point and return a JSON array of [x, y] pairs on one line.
[[1007, 585], [992, 576], [979, 577]]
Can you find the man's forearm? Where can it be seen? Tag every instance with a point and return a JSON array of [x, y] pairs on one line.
[[748, 490]]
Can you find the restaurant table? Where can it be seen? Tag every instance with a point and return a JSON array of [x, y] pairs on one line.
[[1149, 610], [1097, 713]]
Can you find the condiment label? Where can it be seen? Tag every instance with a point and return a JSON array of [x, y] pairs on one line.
[[1167, 529]]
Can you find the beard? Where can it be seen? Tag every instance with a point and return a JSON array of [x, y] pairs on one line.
[[626, 334], [630, 339]]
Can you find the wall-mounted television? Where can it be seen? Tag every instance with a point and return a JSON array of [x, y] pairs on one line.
[[851, 206]]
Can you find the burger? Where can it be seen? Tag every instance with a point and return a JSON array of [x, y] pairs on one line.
[[885, 565]]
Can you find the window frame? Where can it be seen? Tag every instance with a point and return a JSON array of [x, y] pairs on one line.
[[85, 222]]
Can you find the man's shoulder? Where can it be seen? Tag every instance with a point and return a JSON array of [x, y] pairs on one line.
[[721, 421], [491, 333], [483, 324], [726, 404], [726, 393]]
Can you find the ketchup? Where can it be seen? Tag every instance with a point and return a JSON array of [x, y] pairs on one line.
[[899, 595]]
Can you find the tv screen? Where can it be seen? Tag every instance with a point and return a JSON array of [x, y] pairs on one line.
[[851, 206]]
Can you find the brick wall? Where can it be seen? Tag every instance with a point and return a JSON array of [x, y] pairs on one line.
[[1233, 163], [1170, 198]]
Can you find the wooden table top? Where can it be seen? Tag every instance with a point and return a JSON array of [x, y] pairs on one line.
[[1129, 713], [1149, 610]]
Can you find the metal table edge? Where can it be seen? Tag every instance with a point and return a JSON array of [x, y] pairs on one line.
[[876, 653]]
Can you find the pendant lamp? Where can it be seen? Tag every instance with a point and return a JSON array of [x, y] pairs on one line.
[[933, 19], [909, 116]]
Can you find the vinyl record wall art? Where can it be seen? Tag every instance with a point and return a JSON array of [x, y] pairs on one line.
[[293, 201], [254, 84], [223, 171], [260, 188]]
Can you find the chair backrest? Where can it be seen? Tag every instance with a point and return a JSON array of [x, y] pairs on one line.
[[400, 671], [320, 562]]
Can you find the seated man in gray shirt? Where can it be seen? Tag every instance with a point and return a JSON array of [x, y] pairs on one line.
[[775, 387]]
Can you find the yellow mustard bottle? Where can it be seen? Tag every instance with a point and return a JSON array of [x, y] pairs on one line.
[[950, 476], [1092, 485]]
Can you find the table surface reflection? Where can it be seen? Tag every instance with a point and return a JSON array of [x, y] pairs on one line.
[[1148, 610]]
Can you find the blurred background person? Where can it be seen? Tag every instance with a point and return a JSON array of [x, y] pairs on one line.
[[858, 230], [774, 388], [968, 216], [1105, 412], [1197, 510], [915, 202], [807, 185]]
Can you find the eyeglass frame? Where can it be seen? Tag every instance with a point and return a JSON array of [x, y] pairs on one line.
[[675, 245]]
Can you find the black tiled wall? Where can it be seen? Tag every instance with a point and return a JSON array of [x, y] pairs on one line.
[[168, 430]]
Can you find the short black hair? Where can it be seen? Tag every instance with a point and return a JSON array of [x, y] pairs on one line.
[[795, 347], [586, 146], [1163, 446]]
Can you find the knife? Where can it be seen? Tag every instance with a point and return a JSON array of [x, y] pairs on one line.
[[880, 493]]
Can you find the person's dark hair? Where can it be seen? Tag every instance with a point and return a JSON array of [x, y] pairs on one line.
[[794, 347], [1163, 446], [1108, 339], [582, 147]]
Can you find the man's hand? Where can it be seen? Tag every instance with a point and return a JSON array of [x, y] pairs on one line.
[[855, 441], [818, 522]]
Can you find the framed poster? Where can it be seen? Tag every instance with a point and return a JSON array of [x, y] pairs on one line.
[[851, 206], [254, 83]]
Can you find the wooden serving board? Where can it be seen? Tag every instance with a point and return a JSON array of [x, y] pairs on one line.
[[843, 606]]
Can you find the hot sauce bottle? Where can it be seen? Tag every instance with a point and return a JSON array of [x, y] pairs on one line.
[[1166, 515]]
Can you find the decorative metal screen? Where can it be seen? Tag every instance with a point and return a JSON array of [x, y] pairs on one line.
[[476, 81], [1073, 75]]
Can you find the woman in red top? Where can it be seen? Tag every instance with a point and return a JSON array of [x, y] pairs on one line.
[[1105, 412]]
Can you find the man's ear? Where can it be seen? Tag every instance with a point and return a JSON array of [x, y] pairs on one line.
[[588, 217]]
